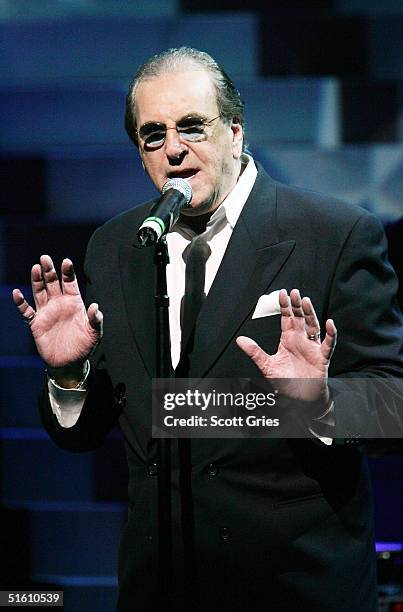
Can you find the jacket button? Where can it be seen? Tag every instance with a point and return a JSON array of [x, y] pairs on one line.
[[212, 469], [225, 534], [152, 469], [120, 395]]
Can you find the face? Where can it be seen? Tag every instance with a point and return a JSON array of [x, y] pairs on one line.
[[211, 166]]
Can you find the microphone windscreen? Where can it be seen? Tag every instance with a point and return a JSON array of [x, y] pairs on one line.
[[180, 185]]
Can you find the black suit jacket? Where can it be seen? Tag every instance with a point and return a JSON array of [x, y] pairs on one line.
[[272, 523]]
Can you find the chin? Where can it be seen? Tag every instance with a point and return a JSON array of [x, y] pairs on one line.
[[200, 208]]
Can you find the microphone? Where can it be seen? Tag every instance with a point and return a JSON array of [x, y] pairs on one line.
[[175, 195]]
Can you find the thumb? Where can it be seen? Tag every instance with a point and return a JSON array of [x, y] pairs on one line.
[[255, 352], [247, 345], [95, 317]]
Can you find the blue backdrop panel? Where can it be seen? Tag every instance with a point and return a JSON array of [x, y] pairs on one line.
[[15, 336], [96, 183], [33, 468], [370, 7], [387, 183], [34, 118], [64, 49], [385, 47], [87, 534], [49, 9], [23, 243], [79, 48], [21, 380], [230, 38], [341, 172], [367, 175], [298, 110]]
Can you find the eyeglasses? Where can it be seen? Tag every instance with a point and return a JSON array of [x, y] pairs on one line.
[[190, 129]]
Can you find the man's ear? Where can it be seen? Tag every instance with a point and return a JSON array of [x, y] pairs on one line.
[[237, 138]]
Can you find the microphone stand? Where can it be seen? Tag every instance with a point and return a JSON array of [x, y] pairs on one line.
[[163, 370]]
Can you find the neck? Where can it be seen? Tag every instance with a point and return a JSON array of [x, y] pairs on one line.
[[197, 223]]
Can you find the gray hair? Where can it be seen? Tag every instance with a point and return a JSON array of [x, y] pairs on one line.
[[229, 103]]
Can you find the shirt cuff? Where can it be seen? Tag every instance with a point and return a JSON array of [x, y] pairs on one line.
[[328, 419], [67, 403]]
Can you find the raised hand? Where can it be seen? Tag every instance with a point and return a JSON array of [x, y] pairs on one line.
[[64, 332], [300, 355]]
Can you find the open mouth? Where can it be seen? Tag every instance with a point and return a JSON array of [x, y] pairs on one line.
[[184, 174]]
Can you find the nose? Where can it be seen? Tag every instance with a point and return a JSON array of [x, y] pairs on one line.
[[175, 148]]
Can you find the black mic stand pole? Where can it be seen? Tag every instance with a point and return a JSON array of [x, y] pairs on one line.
[[163, 370]]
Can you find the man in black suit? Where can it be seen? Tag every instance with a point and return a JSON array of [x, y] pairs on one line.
[[261, 524]]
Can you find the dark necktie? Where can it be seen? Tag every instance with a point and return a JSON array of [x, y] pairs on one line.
[[197, 255], [198, 252]]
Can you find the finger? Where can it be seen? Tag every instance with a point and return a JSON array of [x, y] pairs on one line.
[[69, 280], [312, 326], [284, 302], [38, 286], [255, 352], [297, 311], [285, 310], [329, 343], [50, 277], [95, 318], [24, 308]]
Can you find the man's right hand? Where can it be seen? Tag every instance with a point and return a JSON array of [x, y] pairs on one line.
[[64, 332]]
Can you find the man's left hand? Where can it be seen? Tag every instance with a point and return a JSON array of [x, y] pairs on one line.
[[300, 355]]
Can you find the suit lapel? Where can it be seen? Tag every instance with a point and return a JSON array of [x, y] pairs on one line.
[[252, 260]]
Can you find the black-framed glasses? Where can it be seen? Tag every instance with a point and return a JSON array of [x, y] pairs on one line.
[[190, 129]]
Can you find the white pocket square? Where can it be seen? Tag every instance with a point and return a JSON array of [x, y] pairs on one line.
[[267, 305]]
